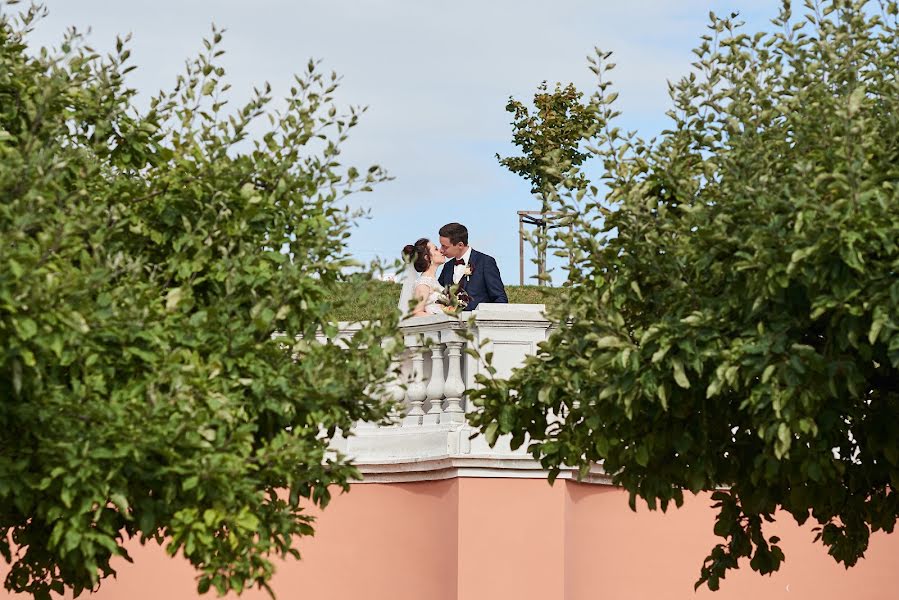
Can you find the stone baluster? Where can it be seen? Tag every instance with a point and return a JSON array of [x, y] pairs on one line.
[[395, 391], [435, 387], [454, 386], [417, 391]]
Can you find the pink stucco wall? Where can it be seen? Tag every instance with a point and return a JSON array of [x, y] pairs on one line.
[[511, 539], [518, 539], [379, 541], [658, 555]]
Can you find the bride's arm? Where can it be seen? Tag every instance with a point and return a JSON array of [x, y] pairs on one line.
[[421, 294]]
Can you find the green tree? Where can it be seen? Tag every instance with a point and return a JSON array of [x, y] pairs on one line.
[[733, 321], [163, 277], [551, 139]]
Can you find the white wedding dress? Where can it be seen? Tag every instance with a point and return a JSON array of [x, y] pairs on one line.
[[431, 305], [412, 280]]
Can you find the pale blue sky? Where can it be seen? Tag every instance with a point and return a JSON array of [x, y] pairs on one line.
[[436, 77]]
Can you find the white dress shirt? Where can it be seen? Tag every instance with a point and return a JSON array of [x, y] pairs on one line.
[[458, 270]]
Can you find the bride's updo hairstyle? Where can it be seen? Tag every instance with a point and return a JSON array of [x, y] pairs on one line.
[[418, 254]]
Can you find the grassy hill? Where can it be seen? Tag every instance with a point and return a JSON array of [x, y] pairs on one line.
[[370, 300]]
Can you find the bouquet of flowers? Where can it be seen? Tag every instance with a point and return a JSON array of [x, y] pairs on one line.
[[455, 298]]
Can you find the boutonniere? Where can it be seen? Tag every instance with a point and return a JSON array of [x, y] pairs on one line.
[[468, 271]]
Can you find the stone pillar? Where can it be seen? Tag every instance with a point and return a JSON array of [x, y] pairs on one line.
[[396, 391], [435, 387], [417, 391], [454, 387]]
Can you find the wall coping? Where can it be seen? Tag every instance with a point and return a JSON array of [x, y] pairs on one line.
[[472, 466]]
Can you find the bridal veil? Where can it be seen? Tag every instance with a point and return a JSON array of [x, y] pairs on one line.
[[409, 278]]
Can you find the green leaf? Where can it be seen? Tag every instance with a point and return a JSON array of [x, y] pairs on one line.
[[642, 456], [802, 253], [491, 433], [636, 287], [785, 439], [26, 328], [173, 298], [609, 341], [121, 503], [767, 373], [662, 393], [680, 377], [876, 327], [855, 99]]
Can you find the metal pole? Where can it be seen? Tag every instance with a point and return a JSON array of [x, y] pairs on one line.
[[521, 248], [541, 249], [525, 217]]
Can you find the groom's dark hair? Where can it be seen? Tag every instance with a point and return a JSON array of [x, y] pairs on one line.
[[456, 232]]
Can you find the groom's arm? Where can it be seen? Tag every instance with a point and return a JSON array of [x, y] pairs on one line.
[[496, 291], [442, 279]]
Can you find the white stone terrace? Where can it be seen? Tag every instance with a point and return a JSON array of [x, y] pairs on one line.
[[431, 439]]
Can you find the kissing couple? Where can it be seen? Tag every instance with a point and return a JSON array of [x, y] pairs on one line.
[[467, 278]]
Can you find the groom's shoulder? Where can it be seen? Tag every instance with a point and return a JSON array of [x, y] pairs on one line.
[[481, 255]]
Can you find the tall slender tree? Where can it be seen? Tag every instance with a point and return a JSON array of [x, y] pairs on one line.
[[551, 139]]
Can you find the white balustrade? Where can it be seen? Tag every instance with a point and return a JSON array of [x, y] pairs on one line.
[[434, 347], [430, 438]]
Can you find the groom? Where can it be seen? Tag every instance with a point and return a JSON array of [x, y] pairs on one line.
[[482, 280]]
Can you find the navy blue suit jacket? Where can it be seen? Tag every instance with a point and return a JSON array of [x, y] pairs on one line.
[[483, 285]]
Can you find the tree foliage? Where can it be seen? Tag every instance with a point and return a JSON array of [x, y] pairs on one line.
[[731, 325], [163, 277], [550, 136]]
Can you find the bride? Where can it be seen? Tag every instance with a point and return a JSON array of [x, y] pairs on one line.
[[423, 258]]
